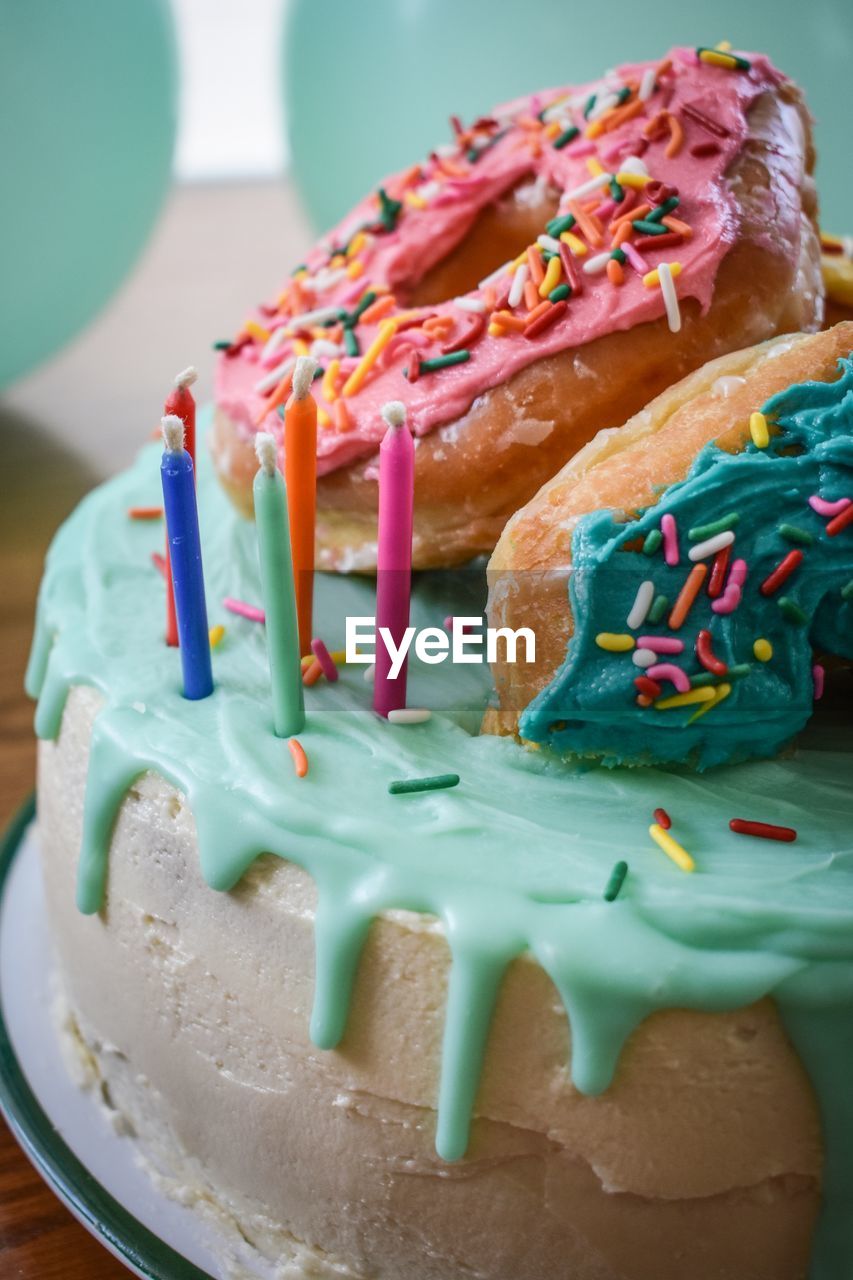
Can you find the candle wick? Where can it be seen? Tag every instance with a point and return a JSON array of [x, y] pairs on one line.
[[173, 432], [394, 413], [265, 448], [186, 378], [303, 376]]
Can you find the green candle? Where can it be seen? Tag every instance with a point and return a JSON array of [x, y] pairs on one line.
[[282, 629]]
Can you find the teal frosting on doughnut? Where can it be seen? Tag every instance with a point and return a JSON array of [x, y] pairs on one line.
[[514, 859], [590, 705]]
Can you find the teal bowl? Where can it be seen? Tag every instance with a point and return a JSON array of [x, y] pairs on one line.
[[87, 127], [369, 87]]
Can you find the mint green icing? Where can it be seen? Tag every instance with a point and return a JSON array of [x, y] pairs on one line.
[[590, 704], [514, 859]]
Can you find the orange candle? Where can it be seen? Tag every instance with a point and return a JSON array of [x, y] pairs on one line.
[[300, 475]]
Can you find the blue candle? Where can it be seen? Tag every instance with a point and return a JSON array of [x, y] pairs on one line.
[[179, 501]]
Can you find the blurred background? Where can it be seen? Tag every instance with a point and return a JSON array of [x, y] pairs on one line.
[[215, 137]]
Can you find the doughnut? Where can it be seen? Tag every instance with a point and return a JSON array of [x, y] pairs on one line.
[[706, 547], [559, 263]]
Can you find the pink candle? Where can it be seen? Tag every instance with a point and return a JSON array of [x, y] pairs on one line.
[[394, 560]]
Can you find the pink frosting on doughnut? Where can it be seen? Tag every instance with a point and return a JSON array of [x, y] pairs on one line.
[[441, 200]]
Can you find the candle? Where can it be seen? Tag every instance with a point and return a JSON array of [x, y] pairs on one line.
[[282, 630], [180, 402], [300, 473], [184, 546], [394, 562]]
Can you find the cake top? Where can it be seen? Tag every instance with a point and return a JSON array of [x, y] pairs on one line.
[[636, 165]]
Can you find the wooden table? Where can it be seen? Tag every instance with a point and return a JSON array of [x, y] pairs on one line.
[[39, 1239]]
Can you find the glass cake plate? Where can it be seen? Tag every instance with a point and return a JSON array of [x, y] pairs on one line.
[[61, 1127]]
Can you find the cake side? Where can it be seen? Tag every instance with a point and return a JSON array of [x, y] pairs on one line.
[[708, 1138]]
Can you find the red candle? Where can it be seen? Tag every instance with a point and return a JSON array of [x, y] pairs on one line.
[[394, 559], [181, 404]]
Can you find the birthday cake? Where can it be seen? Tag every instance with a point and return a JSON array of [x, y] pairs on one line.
[[508, 970]]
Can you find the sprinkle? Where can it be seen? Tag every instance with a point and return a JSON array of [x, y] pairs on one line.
[[793, 533], [557, 226], [781, 573], [409, 715], [647, 228], [659, 608], [704, 149], [824, 508], [614, 643], [559, 294], [704, 121], [615, 274], [444, 362], [718, 58], [387, 329], [687, 595], [470, 304], [671, 848], [549, 243], [670, 297], [718, 572], [272, 379], [644, 657], [647, 84], [519, 280], [312, 673], [588, 188], [711, 546], [244, 610], [693, 695], [721, 692], [669, 531], [568, 135], [159, 563], [846, 590], [325, 659], [700, 532], [651, 279], [587, 224], [669, 671], [791, 610], [571, 241], [662, 818], [554, 312], [215, 635], [407, 786], [369, 673], [762, 649], [298, 756], [594, 266], [145, 513], [766, 830], [534, 263], [351, 347], [660, 211], [377, 310], [467, 337], [706, 656], [652, 541], [661, 644], [841, 521], [552, 275], [758, 430], [819, 679], [648, 688], [642, 603], [617, 879]]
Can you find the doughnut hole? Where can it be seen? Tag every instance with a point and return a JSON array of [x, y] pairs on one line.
[[501, 232]]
